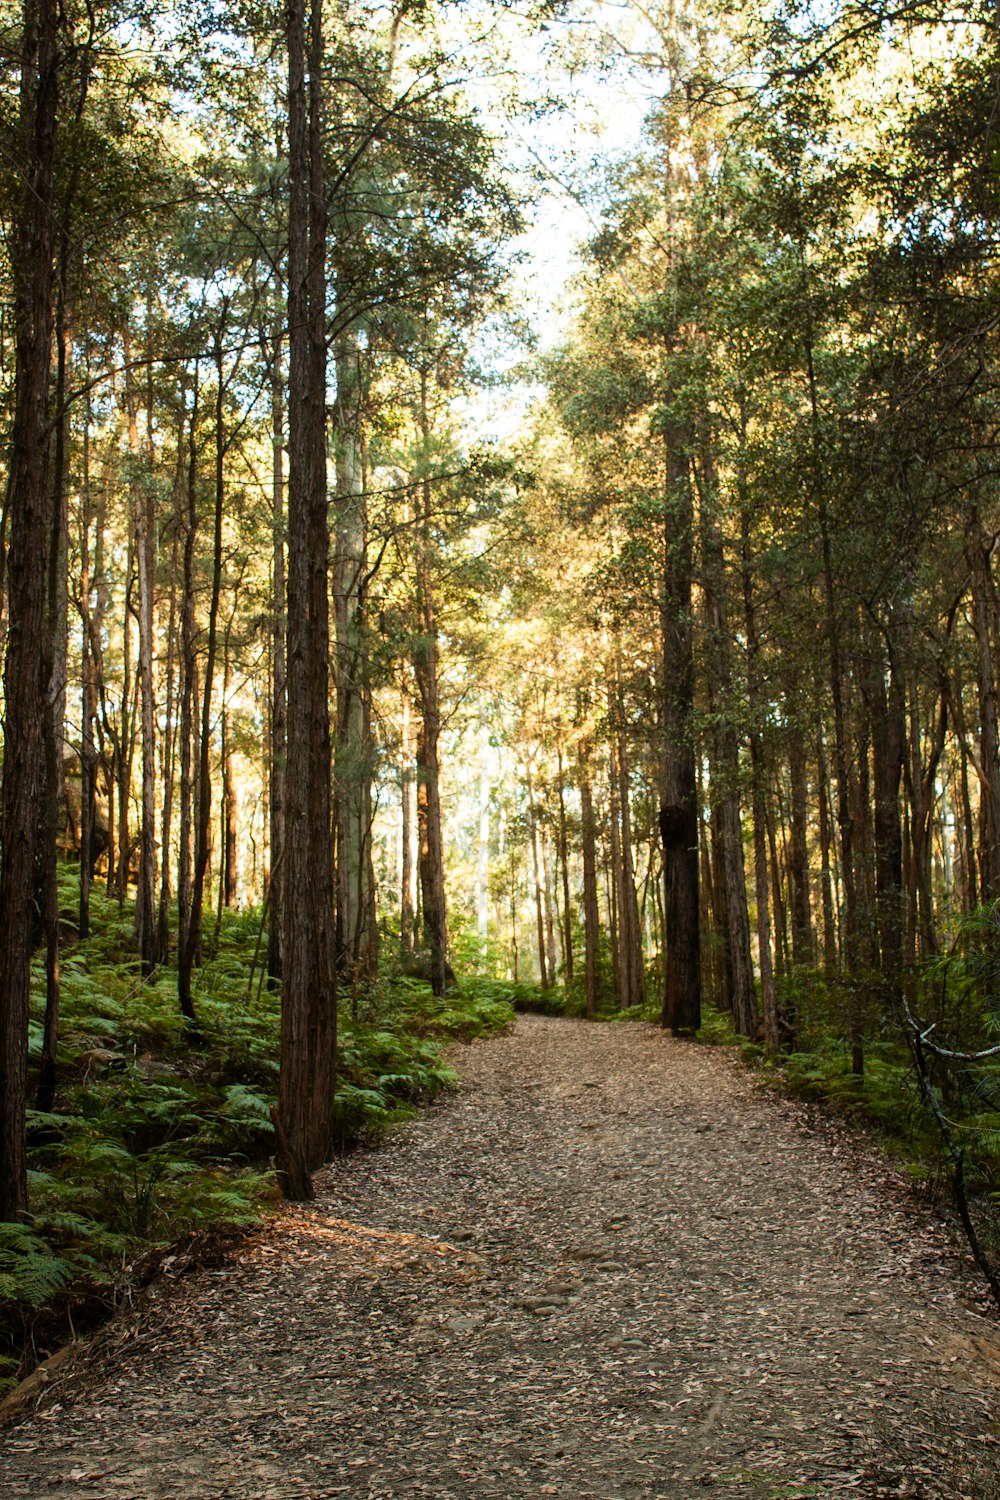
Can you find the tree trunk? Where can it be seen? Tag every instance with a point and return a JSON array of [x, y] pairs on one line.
[[30, 247], [88, 703], [742, 999], [190, 954], [425, 671], [888, 712], [407, 893], [632, 972], [229, 875], [308, 1010], [189, 672], [54, 671], [483, 848], [564, 865], [591, 910], [144, 528], [978, 547], [678, 803], [169, 741], [803, 949], [278, 707], [124, 747], [830, 954], [544, 977], [357, 933]]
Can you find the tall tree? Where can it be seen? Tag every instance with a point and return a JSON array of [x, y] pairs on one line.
[[304, 1116], [32, 247]]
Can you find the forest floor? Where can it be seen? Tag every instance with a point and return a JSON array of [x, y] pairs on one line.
[[609, 1266]]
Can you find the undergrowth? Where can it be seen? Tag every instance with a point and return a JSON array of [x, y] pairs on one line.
[[158, 1137], [937, 1113]]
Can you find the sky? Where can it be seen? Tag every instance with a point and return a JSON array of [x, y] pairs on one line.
[[558, 155]]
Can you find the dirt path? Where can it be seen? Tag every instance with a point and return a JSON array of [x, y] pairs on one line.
[[606, 1268]]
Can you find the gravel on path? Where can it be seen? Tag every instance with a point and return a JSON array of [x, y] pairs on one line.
[[607, 1267]]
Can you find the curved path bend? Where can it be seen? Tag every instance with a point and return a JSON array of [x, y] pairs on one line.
[[607, 1268]]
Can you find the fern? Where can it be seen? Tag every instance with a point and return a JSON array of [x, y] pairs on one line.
[[30, 1271]]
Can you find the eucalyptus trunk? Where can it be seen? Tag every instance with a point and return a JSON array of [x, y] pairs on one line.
[[678, 802], [304, 1116], [30, 245], [357, 931]]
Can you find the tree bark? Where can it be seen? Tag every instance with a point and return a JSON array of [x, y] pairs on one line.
[[144, 528], [978, 547], [31, 248], [591, 909], [57, 627], [632, 990], [425, 671], [88, 697], [357, 931], [678, 802], [169, 740], [742, 999], [803, 947], [279, 689], [564, 866], [189, 673], [768, 997], [544, 977], [408, 819], [308, 1008], [826, 875]]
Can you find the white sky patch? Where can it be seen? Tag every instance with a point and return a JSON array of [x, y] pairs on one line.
[[559, 157]]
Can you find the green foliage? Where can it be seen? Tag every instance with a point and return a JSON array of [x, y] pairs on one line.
[[30, 1272], [156, 1135], [533, 1000]]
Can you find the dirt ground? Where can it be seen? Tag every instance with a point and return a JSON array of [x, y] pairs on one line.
[[608, 1267]]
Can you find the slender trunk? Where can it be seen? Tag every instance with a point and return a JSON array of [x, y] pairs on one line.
[[483, 848], [778, 905], [845, 820], [826, 877], [544, 977], [304, 1117], [742, 998], [633, 978], [978, 546], [513, 915], [768, 997], [168, 757], [191, 955], [31, 265], [88, 705], [613, 874], [968, 824], [407, 893], [144, 528], [564, 865], [276, 769], [357, 945], [54, 671], [551, 910], [425, 670], [189, 672], [230, 862], [803, 950], [888, 710], [124, 748], [678, 804], [591, 911]]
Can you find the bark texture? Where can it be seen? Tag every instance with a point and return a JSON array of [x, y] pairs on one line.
[[304, 1117]]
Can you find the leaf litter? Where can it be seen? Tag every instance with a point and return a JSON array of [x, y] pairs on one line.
[[608, 1267]]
